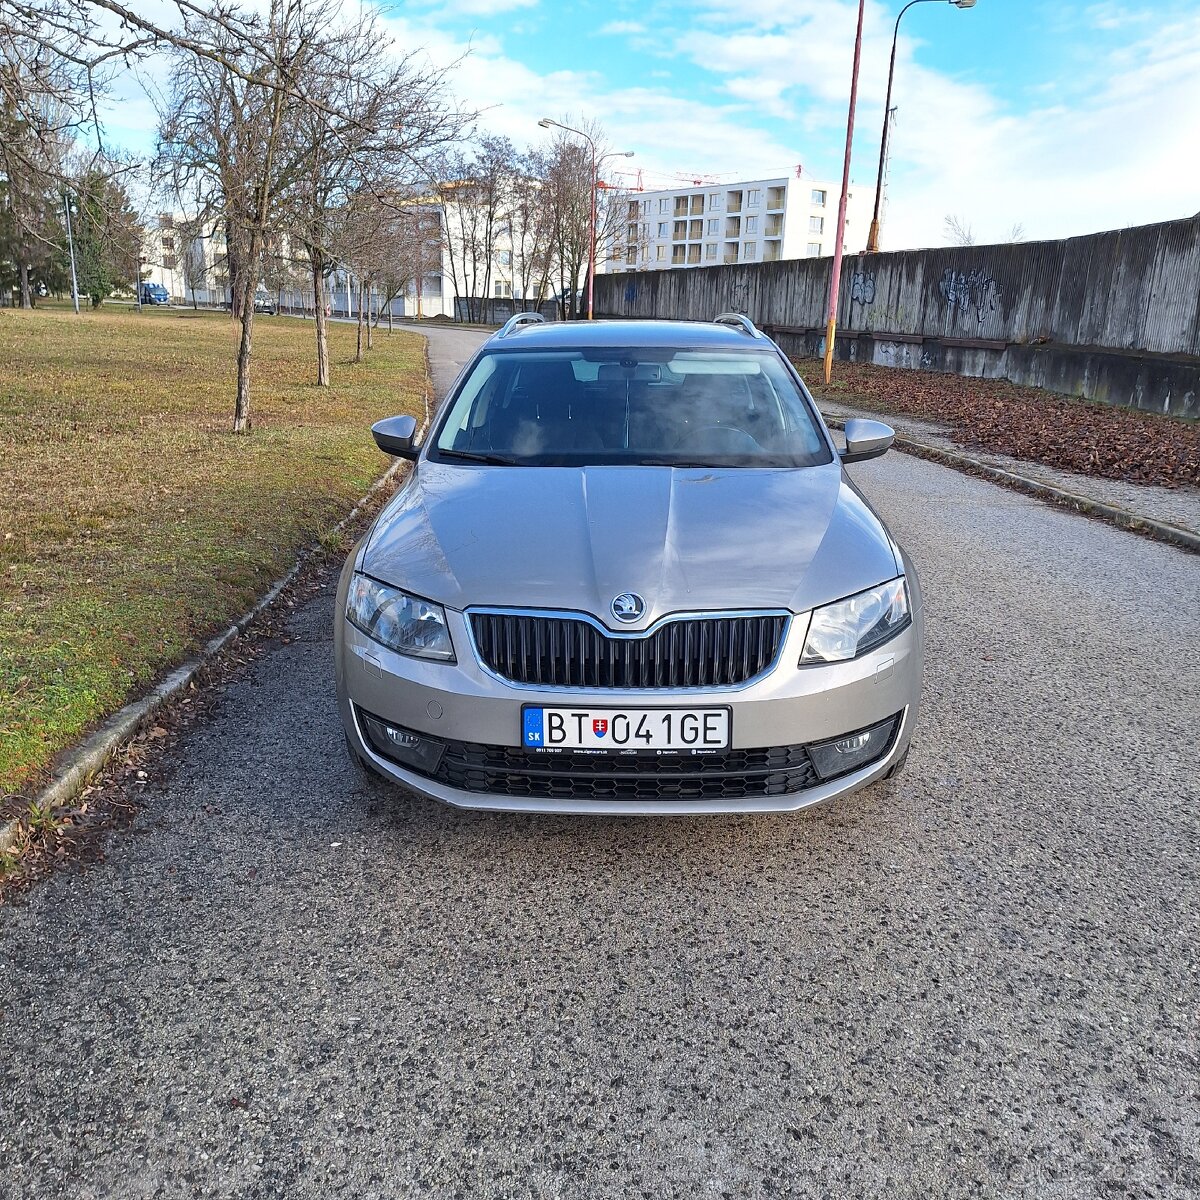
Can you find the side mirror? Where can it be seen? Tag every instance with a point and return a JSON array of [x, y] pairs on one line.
[[866, 439], [394, 435]]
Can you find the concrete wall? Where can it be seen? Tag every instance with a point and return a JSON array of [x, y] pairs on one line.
[[1111, 316]]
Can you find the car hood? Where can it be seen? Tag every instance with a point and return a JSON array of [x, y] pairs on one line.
[[696, 539]]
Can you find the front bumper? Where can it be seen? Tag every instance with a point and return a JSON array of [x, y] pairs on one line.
[[790, 707]]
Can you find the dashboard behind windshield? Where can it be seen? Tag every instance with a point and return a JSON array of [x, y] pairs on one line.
[[632, 406]]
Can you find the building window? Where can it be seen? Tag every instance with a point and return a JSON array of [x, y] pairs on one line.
[[168, 262], [697, 204], [814, 250], [664, 206], [752, 198], [750, 251], [168, 244], [751, 224], [504, 258], [710, 250], [816, 224], [631, 255], [693, 255], [681, 206], [695, 230], [679, 232], [662, 253], [714, 201], [818, 197], [714, 226], [503, 289], [677, 253], [662, 229]]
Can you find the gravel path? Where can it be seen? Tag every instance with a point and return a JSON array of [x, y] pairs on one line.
[[978, 981]]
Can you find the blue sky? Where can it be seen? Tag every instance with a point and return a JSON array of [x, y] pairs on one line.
[[1062, 117]]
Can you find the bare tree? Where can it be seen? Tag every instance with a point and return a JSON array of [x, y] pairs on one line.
[[382, 118], [957, 231], [531, 224]]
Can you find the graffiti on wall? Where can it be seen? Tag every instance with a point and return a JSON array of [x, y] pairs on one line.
[[739, 297], [631, 293], [970, 292], [862, 288]]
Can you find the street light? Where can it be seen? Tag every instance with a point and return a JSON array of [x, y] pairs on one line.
[[546, 123], [71, 249], [873, 236]]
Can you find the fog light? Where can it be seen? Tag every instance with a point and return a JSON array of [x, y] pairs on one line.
[[855, 750], [402, 745]]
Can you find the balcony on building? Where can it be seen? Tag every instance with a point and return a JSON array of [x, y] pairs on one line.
[[733, 202], [773, 227], [681, 206], [775, 197], [731, 252], [733, 227]]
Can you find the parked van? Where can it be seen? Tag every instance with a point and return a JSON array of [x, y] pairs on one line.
[[155, 293]]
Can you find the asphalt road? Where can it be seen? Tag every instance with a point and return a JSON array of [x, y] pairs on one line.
[[978, 981]]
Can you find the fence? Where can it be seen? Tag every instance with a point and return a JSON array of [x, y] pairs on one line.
[[1110, 316]]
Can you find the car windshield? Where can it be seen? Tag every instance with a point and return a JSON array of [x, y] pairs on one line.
[[633, 406]]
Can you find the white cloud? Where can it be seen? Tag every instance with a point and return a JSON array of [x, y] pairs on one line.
[[618, 28]]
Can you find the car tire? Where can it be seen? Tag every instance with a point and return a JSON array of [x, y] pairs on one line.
[[364, 766], [899, 765]]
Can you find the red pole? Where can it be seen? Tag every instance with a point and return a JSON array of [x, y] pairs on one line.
[[835, 280], [592, 234]]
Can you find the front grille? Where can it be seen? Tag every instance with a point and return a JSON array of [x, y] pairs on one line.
[[569, 775], [690, 652]]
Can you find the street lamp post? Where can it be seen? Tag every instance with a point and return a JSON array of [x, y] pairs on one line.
[[71, 249], [546, 123], [835, 277], [873, 236]]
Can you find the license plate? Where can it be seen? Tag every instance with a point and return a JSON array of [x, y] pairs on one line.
[[676, 729]]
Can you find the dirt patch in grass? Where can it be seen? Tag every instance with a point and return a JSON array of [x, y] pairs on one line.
[[1003, 418], [133, 524]]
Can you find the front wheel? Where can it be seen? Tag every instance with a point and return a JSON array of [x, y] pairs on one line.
[[899, 765], [364, 766]]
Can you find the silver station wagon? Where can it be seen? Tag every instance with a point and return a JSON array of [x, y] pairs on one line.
[[629, 574]]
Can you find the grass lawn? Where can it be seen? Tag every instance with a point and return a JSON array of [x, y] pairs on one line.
[[132, 522]]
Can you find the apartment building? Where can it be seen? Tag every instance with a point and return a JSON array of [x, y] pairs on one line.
[[759, 220]]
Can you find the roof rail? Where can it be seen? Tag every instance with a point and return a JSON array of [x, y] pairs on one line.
[[517, 320], [738, 321]]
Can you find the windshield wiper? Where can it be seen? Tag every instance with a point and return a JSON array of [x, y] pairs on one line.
[[495, 460], [671, 462]]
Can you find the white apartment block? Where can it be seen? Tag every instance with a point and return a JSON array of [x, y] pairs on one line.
[[760, 220]]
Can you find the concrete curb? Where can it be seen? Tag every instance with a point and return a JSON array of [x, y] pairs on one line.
[[83, 762], [1161, 531]]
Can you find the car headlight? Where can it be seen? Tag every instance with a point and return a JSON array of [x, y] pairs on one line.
[[397, 620], [851, 627]]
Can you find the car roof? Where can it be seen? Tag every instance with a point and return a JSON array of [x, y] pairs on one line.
[[581, 335]]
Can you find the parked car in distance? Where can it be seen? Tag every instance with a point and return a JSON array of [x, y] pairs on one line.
[[264, 304], [628, 573], [155, 293]]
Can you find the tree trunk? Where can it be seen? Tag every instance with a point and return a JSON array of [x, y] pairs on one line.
[[370, 299], [241, 411], [359, 348], [322, 328], [26, 294], [390, 318]]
